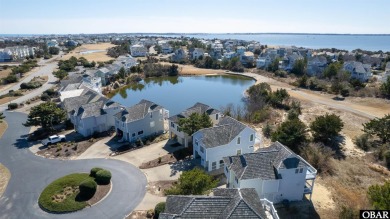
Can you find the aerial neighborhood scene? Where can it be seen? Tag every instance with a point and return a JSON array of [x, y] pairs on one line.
[[209, 109]]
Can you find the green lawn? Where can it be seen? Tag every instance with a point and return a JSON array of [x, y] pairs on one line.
[[72, 202]]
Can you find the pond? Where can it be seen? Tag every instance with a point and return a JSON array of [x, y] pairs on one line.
[[178, 93], [92, 51]]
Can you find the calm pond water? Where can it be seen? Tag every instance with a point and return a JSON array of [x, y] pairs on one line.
[[179, 93]]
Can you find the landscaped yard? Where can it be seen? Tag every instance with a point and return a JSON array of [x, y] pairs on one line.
[[73, 192]]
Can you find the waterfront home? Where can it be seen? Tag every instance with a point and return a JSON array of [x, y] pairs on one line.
[[174, 130], [138, 50], [264, 61], [358, 70], [253, 46], [140, 121], [229, 55], [229, 137], [125, 61], [197, 53], [223, 204], [275, 172], [290, 60], [316, 65], [179, 55], [247, 59], [241, 50], [104, 74], [94, 117]]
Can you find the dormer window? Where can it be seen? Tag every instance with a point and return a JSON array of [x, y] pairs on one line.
[[251, 137], [238, 140], [216, 116]]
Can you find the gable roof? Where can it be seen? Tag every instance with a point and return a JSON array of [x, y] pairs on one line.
[[264, 163], [90, 110], [138, 111], [221, 134], [226, 203], [199, 108]]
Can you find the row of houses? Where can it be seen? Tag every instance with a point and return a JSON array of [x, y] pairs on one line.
[[16, 53]]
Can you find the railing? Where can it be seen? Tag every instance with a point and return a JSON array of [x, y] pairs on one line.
[[311, 171], [269, 206]]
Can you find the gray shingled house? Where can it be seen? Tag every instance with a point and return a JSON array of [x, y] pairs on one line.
[[275, 172], [225, 203]]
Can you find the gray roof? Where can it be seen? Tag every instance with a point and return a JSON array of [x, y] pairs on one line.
[[226, 203], [76, 78], [357, 67], [264, 163], [199, 108], [222, 134], [387, 66], [138, 111], [94, 109], [73, 103]]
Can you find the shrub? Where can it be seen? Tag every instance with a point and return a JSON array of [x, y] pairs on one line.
[[103, 177], [319, 156], [387, 158], [30, 85], [348, 213], [51, 92], [379, 196], [363, 142], [267, 130], [87, 188], [94, 171], [12, 106], [260, 115], [11, 79], [160, 207], [45, 97]]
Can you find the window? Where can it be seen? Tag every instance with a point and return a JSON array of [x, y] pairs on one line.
[[251, 138], [221, 164], [296, 171], [172, 125], [216, 116], [301, 170], [239, 152], [196, 142], [152, 124], [238, 140], [133, 135], [140, 132], [151, 115], [201, 149], [236, 179], [227, 170], [251, 147], [214, 165], [178, 128]]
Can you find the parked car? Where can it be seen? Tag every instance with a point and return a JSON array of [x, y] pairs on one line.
[[53, 139]]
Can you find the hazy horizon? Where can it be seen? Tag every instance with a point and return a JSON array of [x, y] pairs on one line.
[[215, 17]]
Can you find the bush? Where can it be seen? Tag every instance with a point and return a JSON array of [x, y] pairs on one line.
[[51, 92], [11, 79], [12, 106], [30, 85], [348, 213], [318, 156], [94, 171], [45, 97], [103, 177], [363, 142], [160, 207], [387, 158], [87, 188], [379, 196]]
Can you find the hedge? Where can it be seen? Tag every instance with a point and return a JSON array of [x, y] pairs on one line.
[[103, 177], [87, 189], [160, 207], [94, 171], [12, 106]]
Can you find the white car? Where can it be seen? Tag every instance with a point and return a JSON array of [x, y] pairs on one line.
[[53, 139]]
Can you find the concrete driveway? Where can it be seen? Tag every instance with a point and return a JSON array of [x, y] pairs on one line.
[[30, 174]]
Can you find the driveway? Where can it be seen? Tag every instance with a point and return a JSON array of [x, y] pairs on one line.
[[30, 174]]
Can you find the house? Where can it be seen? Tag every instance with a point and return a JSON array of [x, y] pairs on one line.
[[5, 55], [316, 65], [166, 48], [358, 70], [275, 172], [92, 82], [197, 53], [125, 61], [229, 55], [138, 50], [179, 55], [95, 117], [104, 74], [290, 60], [264, 61], [387, 68], [229, 137], [52, 43], [174, 130], [141, 120], [223, 204], [247, 59]]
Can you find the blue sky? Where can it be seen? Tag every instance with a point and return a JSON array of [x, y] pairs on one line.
[[199, 16]]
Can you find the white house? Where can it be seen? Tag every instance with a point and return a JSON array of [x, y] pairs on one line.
[[263, 62], [358, 70], [222, 204], [316, 65], [229, 137], [138, 51], [241, 50], [229, 55], [139, 121], [198, 52], [174, 130], [275, 172]]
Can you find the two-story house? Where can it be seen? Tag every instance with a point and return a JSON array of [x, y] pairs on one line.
[[174, 130], [316, 65], [275, 172], [229, 137], [140, 121], [358, 70], [138, 50]]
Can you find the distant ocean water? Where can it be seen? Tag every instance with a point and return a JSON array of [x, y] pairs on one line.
[[314, 41]]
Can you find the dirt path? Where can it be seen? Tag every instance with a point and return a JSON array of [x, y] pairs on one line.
[[5, 175]]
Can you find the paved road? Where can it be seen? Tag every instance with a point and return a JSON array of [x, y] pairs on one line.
[[46, 69], [30, 174]]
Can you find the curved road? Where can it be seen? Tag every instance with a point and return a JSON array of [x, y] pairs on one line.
[[30, 174]]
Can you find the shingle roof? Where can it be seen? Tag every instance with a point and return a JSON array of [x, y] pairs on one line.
[[222, 134], [138, 111], [91, 109], [226, 203], [199, 108], [264, 162]]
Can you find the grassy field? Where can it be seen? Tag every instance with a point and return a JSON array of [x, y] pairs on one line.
[[5, 175], [70, 203], [96, 56]]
